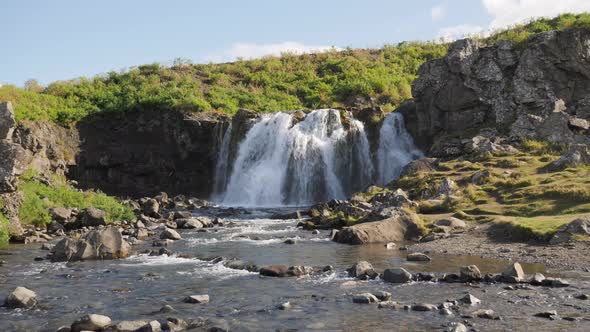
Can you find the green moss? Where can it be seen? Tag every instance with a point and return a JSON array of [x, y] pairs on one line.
[[38, 197], [526, 229]]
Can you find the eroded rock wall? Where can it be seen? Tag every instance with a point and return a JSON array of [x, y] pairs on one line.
[[539, 89]]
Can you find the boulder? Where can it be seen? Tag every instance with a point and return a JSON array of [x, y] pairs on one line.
[[451, 222], [470, 300], [197, 299], [13, 163], [170, 234], [60, 214], [131, 325], [362, 270], [469, 273], [21, 297], [107, 243], [514, 273], [419, 166], [578, 155], [91, 322], [566, 233], [151, 208], [365, 298], [189, 223], [397, 198], [397, 275], [399, 226], [91, 217], [446, 188], [418, 257]]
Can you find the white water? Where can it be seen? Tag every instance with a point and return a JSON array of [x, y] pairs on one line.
[[396, 148], [317, 159]]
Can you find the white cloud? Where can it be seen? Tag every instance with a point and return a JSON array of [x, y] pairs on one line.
[[508, 12], [449, 34], [253, 50], [438, 12]]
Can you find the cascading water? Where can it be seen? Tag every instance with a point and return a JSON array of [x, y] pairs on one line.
[[396, 148], [316, 159], [324, 156]]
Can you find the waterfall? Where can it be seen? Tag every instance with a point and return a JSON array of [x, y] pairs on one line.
[[286, 160], [222, 165], [396, 148], [316, 159]]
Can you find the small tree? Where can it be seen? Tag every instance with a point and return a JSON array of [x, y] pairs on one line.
[[33, 86]]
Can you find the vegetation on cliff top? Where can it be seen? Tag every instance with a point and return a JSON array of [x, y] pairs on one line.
[[38, 197], [331, 79]]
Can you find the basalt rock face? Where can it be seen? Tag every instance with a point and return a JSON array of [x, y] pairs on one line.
[[539, 89], [144, 153]]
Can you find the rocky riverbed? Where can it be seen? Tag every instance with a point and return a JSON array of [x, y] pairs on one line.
[[212, 279]]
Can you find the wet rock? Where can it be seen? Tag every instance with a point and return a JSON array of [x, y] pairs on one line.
[[216, 325], [196, 299], [141, 233], [425, 276], [284, 306], [174, 324], [21, 297], [382, 295], [470, 273], [171, 224], [397, 275], [189, 223], [456, 327], [91, 322], [54, 227], [167, 309], [390, 246], [362, 270], [418, 257], [445, 312], [470, 300], [274, 271], [182, 215], [391, 305], [451, 277], [333, 234], [485, 314], [554, 282], [514, 273], [537, 279], [315, 232], [289, 241], [170, 234], [92, 217], [107, 243], [364, 298], [130, 325], [582, 296], [424, 307], [550, 314], [152, 326]]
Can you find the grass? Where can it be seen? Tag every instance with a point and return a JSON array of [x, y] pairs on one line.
[[4, 236], [526, 229], [38, 197]]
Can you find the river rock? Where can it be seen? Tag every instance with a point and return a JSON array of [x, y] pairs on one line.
[[197, 299], [170, 234], [189, 223], [107, 243], [21, 297], [274, 271], [382, 295], [550, 314], [91, 217], [364, 298], [470, 273], [152, 326], [485, 314], [362, 270], [131, 325], [55, 227], [397, 275], [424, 307], [470, 300], [91, 322], [418, 257], [399, 226], [514, 273], [151, 207], [456, 327]]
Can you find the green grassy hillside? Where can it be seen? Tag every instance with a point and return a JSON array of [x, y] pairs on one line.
[[331, 79]]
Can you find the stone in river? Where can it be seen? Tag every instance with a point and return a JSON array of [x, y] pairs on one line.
[[197, 299], [21, 297]]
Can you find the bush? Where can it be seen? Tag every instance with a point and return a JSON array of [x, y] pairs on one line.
[[38, 197]]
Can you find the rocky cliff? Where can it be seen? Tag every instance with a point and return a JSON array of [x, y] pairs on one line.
[[540, 89]]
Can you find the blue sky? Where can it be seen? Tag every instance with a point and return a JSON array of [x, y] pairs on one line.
[[64, 39]]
